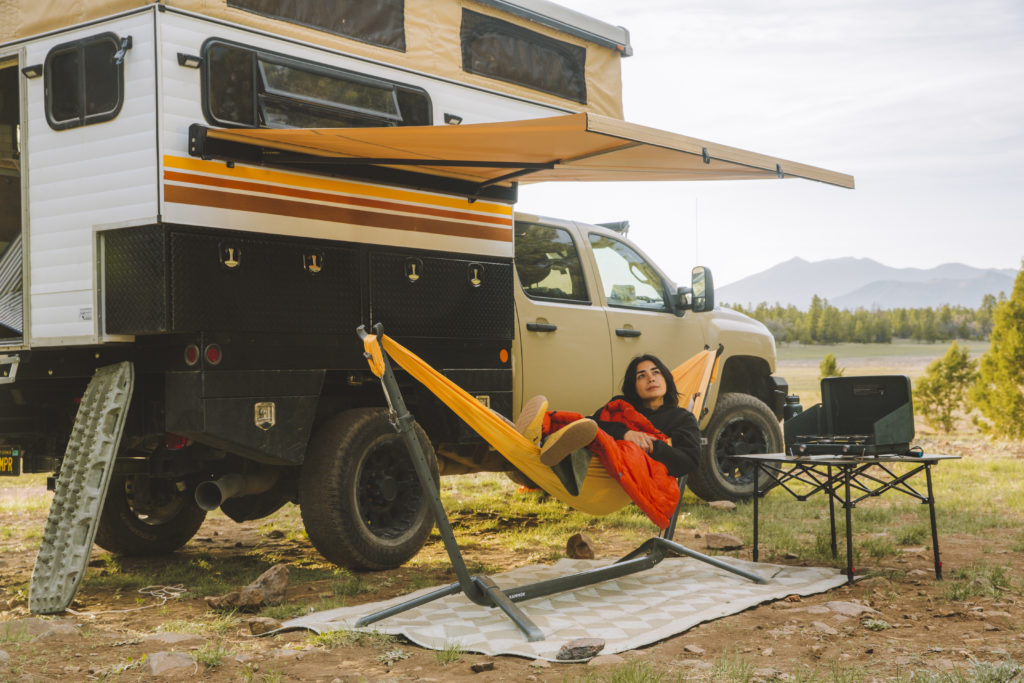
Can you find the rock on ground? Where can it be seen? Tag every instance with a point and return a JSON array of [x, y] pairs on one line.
[[175, 640], [579, 547], [581, 648], [162, 663], [268, 589], [717, 541]]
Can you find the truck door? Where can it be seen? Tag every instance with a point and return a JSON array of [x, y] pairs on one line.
[[563, 334], [11, 315], [638, 313]]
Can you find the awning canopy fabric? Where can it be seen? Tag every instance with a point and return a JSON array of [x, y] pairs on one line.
[[574, 147]]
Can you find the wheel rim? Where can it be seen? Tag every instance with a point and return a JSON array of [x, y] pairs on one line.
[[388, 493], [162, 504], [739, 436]]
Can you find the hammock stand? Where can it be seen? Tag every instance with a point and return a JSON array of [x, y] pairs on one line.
[[480, 588]]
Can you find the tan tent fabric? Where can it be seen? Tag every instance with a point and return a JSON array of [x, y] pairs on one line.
[[432, 40], [575, 147]]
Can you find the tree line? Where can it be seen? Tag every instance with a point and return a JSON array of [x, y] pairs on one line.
[[823, 323]]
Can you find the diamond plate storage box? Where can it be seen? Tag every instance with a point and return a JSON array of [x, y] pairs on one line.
[[866, 415]]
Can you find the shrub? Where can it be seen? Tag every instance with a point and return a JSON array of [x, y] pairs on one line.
[[942, 392], [830, 367]]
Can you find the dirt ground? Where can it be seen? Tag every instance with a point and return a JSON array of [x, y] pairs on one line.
[[793, 639]]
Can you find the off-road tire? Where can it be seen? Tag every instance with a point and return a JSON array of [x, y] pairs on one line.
[[361, 502], [125, 531], [741, 425]]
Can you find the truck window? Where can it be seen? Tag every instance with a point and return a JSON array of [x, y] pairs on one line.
[[84, 81], [629, 281], [499, 49], [548, 263], [254, 88], [381, 22]]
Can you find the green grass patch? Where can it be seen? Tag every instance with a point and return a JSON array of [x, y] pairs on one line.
[[450, 654], [211, 655], [980, 580], [331, 640], [634, 671]]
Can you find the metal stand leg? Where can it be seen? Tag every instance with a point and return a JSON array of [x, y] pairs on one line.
[[849, 526], [935, 532], [832, 512], [757, 494]]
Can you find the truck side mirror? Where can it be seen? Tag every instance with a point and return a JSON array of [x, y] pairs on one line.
[[681, 303], [702, 284]]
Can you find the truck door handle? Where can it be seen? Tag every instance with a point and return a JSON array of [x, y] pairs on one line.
[[627, 333], [541, 327]]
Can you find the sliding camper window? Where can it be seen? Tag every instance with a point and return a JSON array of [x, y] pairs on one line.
[[499, 49], [254, 88], [381, 22], [85, 81]]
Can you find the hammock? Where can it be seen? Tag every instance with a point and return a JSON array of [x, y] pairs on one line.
[[600, 493]]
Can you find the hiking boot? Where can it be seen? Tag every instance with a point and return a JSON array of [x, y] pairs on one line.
[[566, 440], [531, 420]]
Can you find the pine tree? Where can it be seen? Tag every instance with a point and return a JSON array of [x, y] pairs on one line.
[[829, 367], [999, 391], [943, 389]]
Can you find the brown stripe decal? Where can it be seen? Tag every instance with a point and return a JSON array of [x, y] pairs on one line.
[[333, 198], [338, 214]]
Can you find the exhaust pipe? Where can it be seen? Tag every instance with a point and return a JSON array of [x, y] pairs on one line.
[[210, 494]]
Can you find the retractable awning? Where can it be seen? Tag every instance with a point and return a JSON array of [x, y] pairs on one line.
[[574, 147]]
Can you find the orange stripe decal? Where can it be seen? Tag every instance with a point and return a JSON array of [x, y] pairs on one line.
[[339, 214], [333, 198]]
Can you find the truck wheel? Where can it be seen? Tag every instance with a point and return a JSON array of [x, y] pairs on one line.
[[147, 516], [361, 502], [740, 425]]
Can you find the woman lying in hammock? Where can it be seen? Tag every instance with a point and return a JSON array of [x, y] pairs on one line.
[[646, 439]]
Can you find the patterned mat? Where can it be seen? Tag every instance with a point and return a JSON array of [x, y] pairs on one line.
[[627, 613]]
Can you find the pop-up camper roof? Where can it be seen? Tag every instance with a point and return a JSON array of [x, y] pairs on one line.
[[570, 59]]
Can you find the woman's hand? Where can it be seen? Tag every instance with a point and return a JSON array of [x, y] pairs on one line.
[[644, 441]]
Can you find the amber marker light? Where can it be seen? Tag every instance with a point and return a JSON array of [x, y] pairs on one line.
[[503, 355]]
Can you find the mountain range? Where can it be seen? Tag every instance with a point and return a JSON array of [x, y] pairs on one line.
[[851, 283]]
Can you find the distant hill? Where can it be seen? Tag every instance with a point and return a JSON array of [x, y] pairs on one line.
[[852, 283]]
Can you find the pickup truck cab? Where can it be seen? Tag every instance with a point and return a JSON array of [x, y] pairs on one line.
[[588, 300]]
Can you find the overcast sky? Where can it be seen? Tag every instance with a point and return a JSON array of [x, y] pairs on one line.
[[922, 101]]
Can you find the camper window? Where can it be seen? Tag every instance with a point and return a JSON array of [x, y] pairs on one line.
[[498, 49], [381, 22], [245, 87], [84, 83], [548, 263]]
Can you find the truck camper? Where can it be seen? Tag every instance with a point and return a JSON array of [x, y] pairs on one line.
[[221, 191]]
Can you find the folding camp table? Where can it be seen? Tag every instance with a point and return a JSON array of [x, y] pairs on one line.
[[849, 480], [481, 589]]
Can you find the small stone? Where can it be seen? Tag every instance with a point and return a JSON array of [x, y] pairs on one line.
[[694, 650], [58, 629], [483, 666], [720, 541], [202, 539], [764, 674], [160, 663], [604, 660], [767, 652], [722, 505], [540, 664], [850, 609], [580, 648], [823, 628], [223, 602], [275, 533], [579, 547], [793, 598], [244, 658], [273, 583], [817, 650], [791, 556], [990, 627], [260, 625]]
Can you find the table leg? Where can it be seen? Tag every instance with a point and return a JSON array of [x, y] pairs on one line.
[[757, 494], [935, 533], [849, 527], [831, 512]]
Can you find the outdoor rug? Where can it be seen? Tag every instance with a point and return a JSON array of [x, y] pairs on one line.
[[626, 613]]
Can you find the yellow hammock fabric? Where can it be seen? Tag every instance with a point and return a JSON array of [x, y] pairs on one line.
[[600, 493]]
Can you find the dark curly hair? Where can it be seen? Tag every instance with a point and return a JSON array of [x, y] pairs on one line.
[[629, 381]]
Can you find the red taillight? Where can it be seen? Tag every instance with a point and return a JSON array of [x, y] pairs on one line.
[[213, 354], [191, 355], [174, 442]]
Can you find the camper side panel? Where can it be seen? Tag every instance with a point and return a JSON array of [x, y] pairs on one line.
[[83, 179]]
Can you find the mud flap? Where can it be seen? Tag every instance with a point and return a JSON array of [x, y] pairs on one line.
[[81, 489]]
